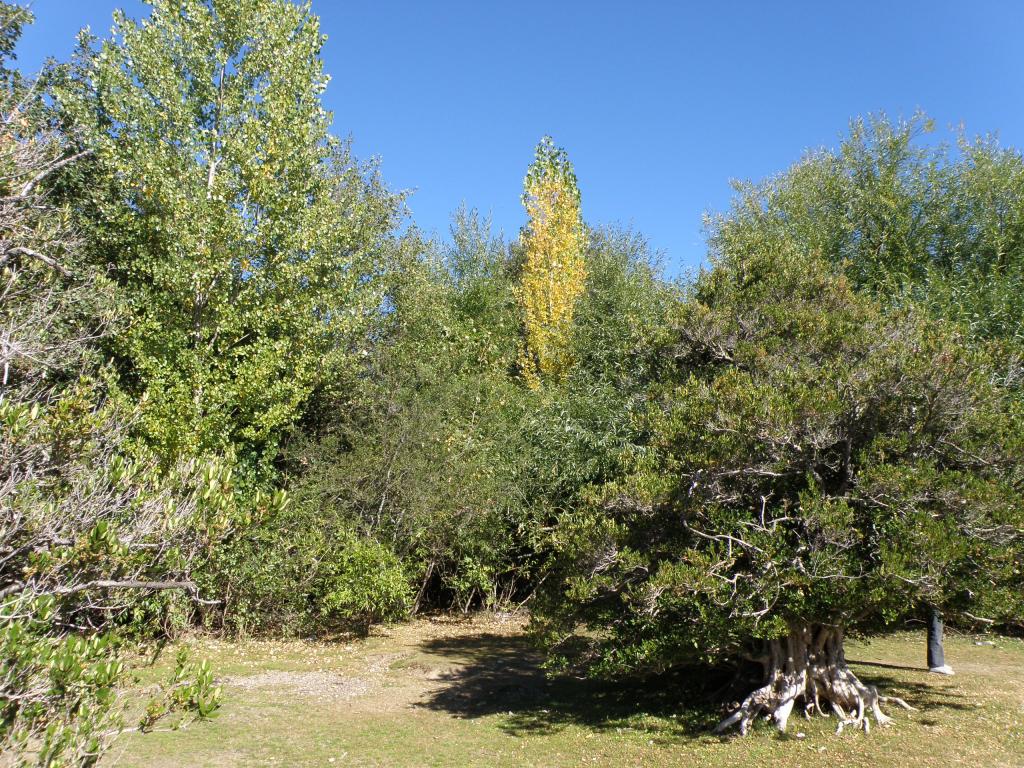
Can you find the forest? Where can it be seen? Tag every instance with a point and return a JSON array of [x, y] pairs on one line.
[[243, 396]]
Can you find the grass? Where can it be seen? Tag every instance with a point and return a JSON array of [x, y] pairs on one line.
[[470, 693]]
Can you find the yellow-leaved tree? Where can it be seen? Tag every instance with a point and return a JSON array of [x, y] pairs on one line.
[[554, 269]]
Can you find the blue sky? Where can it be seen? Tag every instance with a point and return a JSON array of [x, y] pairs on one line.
[[658, 103]]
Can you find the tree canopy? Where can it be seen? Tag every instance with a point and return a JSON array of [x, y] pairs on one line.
[[239, 230]]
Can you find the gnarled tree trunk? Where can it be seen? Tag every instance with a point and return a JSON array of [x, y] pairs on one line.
[[809, 666]]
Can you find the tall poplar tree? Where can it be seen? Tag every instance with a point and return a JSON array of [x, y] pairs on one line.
[[238, 228], [554, 269]]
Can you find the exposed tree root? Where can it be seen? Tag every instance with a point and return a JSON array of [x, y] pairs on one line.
[[809, 666]]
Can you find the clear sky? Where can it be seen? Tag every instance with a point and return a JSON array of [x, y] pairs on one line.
[[658, 103]]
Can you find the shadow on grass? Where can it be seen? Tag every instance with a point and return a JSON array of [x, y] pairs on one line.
[[916, 689], [885, 666], [503, 675], [500, 674]]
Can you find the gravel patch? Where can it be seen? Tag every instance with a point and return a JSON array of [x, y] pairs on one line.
[[332, 686], [319, 685]]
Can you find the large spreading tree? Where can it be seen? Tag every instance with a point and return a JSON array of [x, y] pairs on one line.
[[815, 466]]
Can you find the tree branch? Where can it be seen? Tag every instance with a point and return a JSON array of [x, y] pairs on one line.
[[23, 251], [187, 586], [34, 181]]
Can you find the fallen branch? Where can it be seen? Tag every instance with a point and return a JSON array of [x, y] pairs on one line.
[[981, 619]]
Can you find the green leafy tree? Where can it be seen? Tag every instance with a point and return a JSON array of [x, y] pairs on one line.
[[815, 466], [240, 232], [91, 534], [908, 221]]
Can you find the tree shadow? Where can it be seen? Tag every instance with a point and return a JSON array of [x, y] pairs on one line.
[[922, 694], [885, 666], [499, 674], [504, 675]]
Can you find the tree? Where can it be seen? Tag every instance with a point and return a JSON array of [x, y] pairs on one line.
[[553, 269], [240, 232], [907, 222], [815, 467], [90, 532], [421, 458]]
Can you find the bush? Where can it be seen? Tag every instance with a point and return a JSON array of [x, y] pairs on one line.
[[363, 583], [57, 706], [305, 570]]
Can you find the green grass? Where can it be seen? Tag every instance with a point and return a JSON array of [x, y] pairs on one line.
[[471, 694]]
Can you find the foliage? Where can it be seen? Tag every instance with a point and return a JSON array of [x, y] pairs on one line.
[[906, 220], [59, 691], [55, 690], [444, 456], [189, 690], [813, 460], [553, 267], [237, 227], [621, 317], [417, 460], [305, 571], [13, 19], [90, 532]]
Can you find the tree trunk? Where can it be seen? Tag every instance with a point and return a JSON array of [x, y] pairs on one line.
[[810, 666]]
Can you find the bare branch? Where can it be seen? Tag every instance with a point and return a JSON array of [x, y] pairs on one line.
[[32, 183], [32, 254]]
